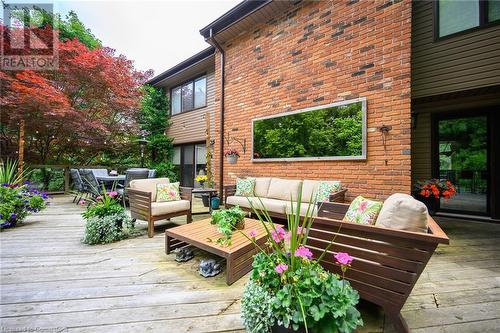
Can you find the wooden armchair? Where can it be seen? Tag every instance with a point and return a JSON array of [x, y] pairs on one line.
[[143, 207], [387, 262]]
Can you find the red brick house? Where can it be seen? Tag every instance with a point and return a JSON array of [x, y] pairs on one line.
[[278, 58]]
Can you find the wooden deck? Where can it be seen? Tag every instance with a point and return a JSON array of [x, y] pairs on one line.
[[51, 282]]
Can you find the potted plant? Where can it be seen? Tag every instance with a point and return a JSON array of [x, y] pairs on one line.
[[106, 220], [289, 290], [201, 179], [430, 191], [227, 221], [232, 155]]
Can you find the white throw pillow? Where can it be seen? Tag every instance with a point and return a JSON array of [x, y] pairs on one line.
[[403, 212]]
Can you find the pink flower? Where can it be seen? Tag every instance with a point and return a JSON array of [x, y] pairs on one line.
[[99, 198], [287, 236], [281, 268], [301, 230], [303, 252], [113, 194], [343, 258], [253, 233], [82, 202], [279, 234]]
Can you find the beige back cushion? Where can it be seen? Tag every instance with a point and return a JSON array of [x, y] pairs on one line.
[[262, 186], [148, 185], [284, 189], [309, 188], [401, 211]]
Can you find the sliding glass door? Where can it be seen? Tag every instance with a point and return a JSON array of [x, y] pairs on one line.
[[462, 146], [191, 160]]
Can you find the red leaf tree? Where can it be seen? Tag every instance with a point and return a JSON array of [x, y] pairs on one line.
[[86, 107]]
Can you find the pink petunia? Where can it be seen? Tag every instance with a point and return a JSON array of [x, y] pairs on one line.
[[82, 202], [343, 258], [281, 268], [113, 194], [279, 234], [303, 252], [287, 236], [301, 230], [252, 233], [99, 198]]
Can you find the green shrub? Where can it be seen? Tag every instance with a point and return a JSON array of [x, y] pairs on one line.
[[17, 202], [166, 169], [108, 229]]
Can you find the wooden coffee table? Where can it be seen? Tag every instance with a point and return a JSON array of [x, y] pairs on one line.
[[239, 255]]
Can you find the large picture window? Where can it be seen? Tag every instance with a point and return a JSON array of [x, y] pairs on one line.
[[189, 96], [454, 16], [336, 132]]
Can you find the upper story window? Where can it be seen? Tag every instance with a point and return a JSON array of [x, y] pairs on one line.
[[455, 16], [189, 96]]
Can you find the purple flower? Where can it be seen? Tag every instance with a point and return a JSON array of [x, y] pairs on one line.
[[252, 233], [281, 268], [13, 216], [303, 252], [343, 258]]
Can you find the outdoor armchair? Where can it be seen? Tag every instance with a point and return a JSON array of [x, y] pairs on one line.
[[143, 204], [130, 175]]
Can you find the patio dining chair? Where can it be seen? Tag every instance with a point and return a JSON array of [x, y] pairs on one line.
[[90, 184], [77, 185], [152, 173], [131, 174]]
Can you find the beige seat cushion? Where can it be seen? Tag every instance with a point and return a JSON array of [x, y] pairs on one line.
[[262, 186], [309, 190], [168, 207], [271, 205], [148, 185], [401, 211], [313, 210], [284, 189]]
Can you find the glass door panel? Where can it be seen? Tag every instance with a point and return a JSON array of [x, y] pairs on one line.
[[187, 169], [201, 161], [463, 159]]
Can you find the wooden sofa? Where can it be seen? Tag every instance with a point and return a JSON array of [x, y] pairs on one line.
[[387, 263], [143, 205], [278, 205]]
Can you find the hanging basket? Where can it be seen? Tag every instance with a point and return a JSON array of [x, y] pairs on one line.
[[232, 159]]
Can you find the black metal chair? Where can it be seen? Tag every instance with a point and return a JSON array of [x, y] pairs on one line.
[[131, 174], [152, 173], [77, 185]]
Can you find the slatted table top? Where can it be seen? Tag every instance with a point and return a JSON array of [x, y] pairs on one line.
[[204, 235]]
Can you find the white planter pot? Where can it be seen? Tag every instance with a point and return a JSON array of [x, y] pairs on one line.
[[232, 159]]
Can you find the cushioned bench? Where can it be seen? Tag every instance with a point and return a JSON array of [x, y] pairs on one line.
[[276, 194]]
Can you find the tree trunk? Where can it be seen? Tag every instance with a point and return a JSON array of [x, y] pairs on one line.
[[20, 165]]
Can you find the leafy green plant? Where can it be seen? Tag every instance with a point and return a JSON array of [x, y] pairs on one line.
[[108, 229], [257, 308], [227, 220], [304, 293], [17, 202], [9, 172]]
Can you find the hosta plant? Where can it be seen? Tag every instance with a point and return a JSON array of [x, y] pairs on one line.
[[303, 294]]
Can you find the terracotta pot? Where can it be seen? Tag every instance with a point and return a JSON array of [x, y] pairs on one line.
[[232, 159]]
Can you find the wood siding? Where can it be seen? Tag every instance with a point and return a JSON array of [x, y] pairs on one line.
[[421, 148], [190, 126], [467, 61]]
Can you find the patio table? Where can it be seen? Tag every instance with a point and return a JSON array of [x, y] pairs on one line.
[[119, 178], [203, 235]]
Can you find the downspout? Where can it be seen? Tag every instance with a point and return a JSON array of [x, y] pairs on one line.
[[212, 41]]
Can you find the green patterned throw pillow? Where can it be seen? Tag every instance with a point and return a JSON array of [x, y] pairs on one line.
[[363, 211], [167, 192], [245, 187], [326, 188]]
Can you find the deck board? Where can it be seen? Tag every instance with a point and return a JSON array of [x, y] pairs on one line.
[[50, 280]]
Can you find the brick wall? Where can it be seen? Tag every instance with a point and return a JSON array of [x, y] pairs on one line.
[[319, 53]]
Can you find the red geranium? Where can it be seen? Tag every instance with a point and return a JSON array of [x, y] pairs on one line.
[[435, 188]]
